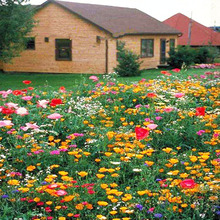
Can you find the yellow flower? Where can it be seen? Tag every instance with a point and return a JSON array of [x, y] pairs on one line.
[[149, 163], [31, 168], [63, 173], [104, 186], [113, 212], [193, 158], [79, 206], [49, 202], [82, 173], [100, 176], [167, 150], [173, 161], [37, 199], [13, 182], [68, 198], [102, 203]]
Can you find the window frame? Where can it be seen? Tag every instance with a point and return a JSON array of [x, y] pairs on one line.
[[28, 43], [147, 56], [57, 58]]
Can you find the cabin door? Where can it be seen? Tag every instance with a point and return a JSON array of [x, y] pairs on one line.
[[162, 51]]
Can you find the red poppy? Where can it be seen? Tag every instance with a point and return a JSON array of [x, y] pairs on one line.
[[7, 111], [188, 184], [27, 82], [200, 111], [141, 133], [17, 92], [151, 95], [166, 73], [62, 89], [55, 102], [176, 70], [30, 88], [24, 90]]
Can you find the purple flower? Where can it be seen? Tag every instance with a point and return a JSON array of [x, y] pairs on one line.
[[139, 206], [218, 212], [5, 196], [158, 215]]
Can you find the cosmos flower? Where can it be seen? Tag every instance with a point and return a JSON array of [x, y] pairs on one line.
[[94, 78], [5, 123], [54, 116]]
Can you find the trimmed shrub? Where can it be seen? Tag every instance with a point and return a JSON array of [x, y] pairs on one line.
[[128, 62]]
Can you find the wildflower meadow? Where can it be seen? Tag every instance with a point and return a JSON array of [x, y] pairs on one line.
[[114, 151]]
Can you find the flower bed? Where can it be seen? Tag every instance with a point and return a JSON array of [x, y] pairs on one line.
[[148, 150]]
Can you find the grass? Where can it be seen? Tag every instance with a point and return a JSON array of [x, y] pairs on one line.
[[70, 81]]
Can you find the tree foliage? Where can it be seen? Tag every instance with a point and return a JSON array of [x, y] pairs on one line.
[[16, 22], [128, 62]]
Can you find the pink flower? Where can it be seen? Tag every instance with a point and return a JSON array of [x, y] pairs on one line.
[[42, 103], [54, 116], [5, 123], [152, 126], [151, 209], [21, 111], [55, 152], [138, 106], [188, 184], [61, 192], [27, 98], [202, 76], [30, 126], [179, 95], [200, 132], [158, 118], [142, 80], [168, 109], [11, 105], [94, 78], [53, 186], [5, 93]]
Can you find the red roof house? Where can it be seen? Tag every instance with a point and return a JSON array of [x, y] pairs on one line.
[[193, 33]]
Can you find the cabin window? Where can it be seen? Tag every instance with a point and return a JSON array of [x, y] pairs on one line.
[[172, 44], [147, 48], [63, 49], [30, 43]]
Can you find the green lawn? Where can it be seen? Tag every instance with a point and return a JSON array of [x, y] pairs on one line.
[[71, 81]]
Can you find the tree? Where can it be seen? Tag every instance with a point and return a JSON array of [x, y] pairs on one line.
[[128, 62], [16, 22]]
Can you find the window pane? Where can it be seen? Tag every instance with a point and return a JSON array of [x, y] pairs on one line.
[[63, 49], [147, 48], [172, 44], [30, 43]]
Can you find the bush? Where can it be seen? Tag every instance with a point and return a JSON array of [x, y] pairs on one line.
[[189, 56], [128, 62], [181, 55]]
